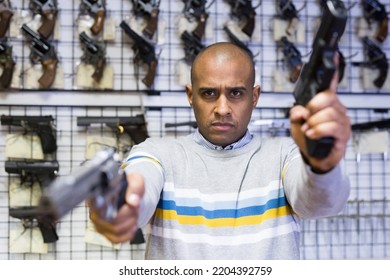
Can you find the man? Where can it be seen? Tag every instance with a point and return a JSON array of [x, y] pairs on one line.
[[223, 193]]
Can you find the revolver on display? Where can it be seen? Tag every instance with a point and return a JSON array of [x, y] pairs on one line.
[[244, 11], [48, 11], [196, 10], [293, 58], [148, 9], [94, 54], [45, 53], [143, 51], [377, 59], [287, 11], [96, 9], [192, 46], [373, 10]]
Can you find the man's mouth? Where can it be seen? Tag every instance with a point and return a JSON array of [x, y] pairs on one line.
[[222, 126]]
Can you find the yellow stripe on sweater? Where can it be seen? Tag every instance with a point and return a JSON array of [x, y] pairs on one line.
[[222, 222]]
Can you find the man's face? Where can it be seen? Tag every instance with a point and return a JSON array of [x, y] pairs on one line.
[[223, 97]]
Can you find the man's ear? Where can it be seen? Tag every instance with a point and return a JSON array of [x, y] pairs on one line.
[[189, 93], [256, 95]]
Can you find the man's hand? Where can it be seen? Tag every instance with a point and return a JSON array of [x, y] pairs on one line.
[[124, 226], [323, 116]]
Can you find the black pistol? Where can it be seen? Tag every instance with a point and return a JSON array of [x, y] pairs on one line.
[[42, 125], [317, 74], [134, 126]]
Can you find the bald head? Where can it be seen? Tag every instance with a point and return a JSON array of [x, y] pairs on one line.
[[222, 52]]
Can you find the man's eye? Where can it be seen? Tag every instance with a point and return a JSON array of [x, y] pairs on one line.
[[208, 93], [236, 93]]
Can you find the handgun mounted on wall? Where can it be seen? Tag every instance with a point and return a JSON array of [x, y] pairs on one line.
[[150, 10], [134, 126], [287, 11], [318, 72], [196, 10], [48, 11], [30, 171], [94, 54], [45, 53], [144, 51], [292, 57], [377, 59], [373, 10], [97, 10], [7, 64], [192, 46], [41, 125], [245, 12]]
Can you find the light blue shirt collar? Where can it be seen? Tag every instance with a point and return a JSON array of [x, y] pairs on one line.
[[199, 139]]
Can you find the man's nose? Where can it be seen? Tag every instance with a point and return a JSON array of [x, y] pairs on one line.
[[222, 106]]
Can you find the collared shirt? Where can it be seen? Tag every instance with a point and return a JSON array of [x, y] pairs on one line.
[[199, 139]]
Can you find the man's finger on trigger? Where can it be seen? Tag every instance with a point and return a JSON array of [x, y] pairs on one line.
[[135, 189]]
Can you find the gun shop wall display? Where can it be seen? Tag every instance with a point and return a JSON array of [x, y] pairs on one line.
[[148, 46], [81, 76]]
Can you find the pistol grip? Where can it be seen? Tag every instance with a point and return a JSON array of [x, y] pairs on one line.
[[319, 148], [5, 19], [97, 27], [149, 78], [48, 232], [48, 140], [201, 27], [150, 29], [381, 79], [137, 134], [250, 25], [6, 77], [48, 24], [383, 30], [99, 70], [49, 73]]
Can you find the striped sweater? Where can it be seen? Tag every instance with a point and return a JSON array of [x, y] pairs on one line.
[[245, 203]]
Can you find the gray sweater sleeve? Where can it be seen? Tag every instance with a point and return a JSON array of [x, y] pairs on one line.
[[142, 160], [314, 195]]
